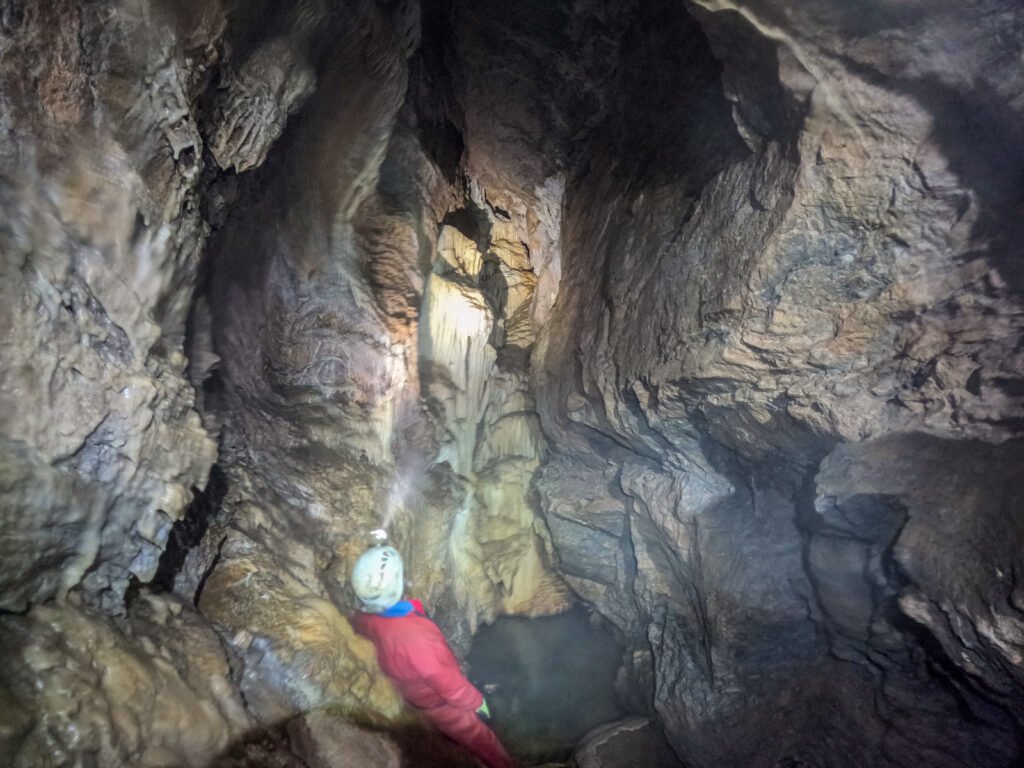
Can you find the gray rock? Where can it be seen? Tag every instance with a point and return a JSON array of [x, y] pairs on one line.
[[631, 743], [934, 526], [325, 741], [153, 691], [100, 170]]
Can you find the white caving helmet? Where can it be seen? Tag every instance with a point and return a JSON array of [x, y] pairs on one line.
[[377, 578]]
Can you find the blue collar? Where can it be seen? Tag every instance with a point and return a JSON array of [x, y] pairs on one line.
[[401, 608]]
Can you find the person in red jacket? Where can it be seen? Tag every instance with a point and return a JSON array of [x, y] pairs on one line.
[[414, 654]]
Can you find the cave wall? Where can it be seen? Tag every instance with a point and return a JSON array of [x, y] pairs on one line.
[[101, 243], [373, 358], [705, 314], [101, 445], [808, 261], [110, 193]]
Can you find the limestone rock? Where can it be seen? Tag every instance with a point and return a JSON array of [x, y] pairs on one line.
[[475, 308], [634, 742], [367, 415], [719, 333], [590, 532], [729, 294], [297, 651], [154, 691], [100, 254], [256, 102], [936, 527], [323, 741]]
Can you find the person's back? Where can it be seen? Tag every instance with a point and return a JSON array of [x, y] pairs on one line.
[[412, 652]]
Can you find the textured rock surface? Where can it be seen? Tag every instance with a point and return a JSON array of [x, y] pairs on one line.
[[325, 742], [105, 185], [297, 651], [154, 690], [845, 272], [934, 525], [387, 384], [729, 292], [101, 241], [627, 743]]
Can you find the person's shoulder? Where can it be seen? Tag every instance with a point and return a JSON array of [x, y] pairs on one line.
[[365, 623], [421, 625]]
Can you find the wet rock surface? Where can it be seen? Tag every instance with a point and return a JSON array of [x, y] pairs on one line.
[[625, 744], [706, 315], [153, 689]]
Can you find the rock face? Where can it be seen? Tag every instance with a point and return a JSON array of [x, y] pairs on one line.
[[707, 315], [101, 244], [155, 690], [626, 743], [374, 359], [324, 742], [733, 315], [931, 527], [106, 188]]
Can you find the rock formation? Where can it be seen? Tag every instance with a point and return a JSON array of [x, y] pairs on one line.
[[706, 315]]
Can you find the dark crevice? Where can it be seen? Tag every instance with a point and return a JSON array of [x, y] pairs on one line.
[[209, 570], [190, 529]]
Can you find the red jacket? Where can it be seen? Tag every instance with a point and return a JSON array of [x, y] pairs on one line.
[[414, 654]]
